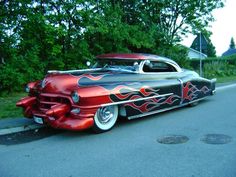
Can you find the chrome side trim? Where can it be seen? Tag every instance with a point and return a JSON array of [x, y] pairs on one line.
[[163, 110], [140, 99], [72, 71], [181, 90]]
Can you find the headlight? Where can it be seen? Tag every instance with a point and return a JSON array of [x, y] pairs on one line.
[[75, 97], [27, 88]]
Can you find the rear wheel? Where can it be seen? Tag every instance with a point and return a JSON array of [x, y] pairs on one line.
[[105, 118]]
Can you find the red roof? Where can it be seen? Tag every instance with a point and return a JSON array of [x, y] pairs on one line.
[[135, 56], [123, 56]]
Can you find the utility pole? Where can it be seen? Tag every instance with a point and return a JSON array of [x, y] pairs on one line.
[[200, 47]]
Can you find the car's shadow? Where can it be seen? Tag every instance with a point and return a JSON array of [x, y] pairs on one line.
[[45, 132], [28, 136], [124, 123]]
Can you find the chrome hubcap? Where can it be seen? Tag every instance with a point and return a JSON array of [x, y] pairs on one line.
[[105, 114]]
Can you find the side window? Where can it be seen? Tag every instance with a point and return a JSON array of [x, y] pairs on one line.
[[156, 66]]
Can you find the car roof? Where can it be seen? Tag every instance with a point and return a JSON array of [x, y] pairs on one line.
[[134, 56]]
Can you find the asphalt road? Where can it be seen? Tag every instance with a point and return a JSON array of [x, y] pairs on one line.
[[131, 149]]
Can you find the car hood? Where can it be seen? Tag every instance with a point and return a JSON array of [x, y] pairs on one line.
[[66, 83]]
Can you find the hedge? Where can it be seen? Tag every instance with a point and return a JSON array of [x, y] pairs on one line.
[[216, 66]]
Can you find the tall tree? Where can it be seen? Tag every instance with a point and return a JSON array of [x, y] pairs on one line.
[[232, 44], [37, 35], [182, 16]]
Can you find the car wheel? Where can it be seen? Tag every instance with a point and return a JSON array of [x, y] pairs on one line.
[[105, 118]]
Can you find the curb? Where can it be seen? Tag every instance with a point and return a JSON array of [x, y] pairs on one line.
[[7, 131], [225, 87]]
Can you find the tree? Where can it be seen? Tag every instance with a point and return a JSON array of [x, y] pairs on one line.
[[176, 18], [170, 19], [211, 51], [38, 35], [232, 44]]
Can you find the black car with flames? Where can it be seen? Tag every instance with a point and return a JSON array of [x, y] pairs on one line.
[[128, 85]]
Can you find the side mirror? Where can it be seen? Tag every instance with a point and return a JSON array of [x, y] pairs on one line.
[[147, 62], [88, 63], [136, 66]]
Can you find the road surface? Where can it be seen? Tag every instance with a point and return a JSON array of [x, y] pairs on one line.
[[206, 135]]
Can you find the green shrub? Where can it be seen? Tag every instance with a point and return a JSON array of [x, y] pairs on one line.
[[21, 70], [217, 66], [10, 79], [177, 53]]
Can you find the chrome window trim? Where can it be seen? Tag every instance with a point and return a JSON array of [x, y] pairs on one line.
[[72, 71], [176, 66]]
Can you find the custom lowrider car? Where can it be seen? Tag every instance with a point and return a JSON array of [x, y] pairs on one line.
[[128, 85]]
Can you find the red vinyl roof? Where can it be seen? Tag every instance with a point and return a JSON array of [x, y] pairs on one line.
[[135, 56], [124, 56]]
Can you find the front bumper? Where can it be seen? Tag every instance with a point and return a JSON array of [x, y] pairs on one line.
[[213, 86], [59, 115]]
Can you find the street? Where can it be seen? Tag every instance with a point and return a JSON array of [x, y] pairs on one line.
[[138, 148]]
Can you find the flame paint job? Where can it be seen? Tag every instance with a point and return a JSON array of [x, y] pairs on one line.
[[54, 104], [191, 91]]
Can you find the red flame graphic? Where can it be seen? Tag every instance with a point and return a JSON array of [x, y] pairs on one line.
[[91, 77], [190, 91]]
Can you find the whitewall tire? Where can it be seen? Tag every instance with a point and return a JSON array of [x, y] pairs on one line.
[[105, 118]]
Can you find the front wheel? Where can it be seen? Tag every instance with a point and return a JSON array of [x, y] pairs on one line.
[[105, 118]]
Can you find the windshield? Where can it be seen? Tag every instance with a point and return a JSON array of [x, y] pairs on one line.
[[117, 64]]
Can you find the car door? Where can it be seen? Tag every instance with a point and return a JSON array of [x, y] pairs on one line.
[[161, 79]]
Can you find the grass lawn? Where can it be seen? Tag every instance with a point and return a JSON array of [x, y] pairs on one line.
[[226, 79], [8, 107]]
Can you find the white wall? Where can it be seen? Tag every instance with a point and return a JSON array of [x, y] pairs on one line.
[[192, 54]]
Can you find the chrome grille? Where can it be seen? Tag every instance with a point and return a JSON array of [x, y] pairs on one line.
[[46, 101]]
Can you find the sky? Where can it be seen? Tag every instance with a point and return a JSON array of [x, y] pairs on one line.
[[223, 28]]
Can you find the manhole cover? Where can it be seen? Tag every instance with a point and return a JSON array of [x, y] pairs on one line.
[[173, 139], [216, 139]]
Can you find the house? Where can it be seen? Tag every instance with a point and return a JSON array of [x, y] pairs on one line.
[[231, 50], [200, 41], [203, 44], [194, 54]]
